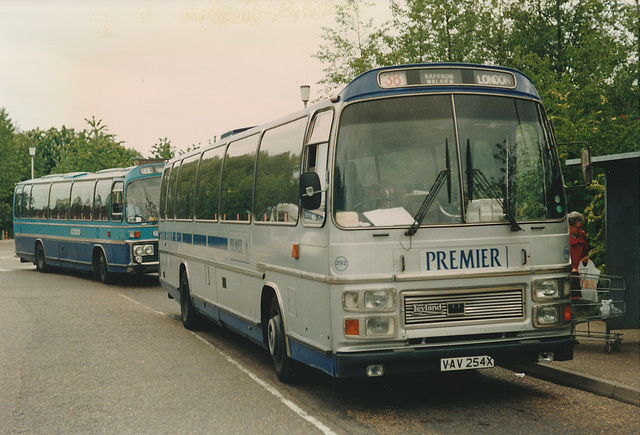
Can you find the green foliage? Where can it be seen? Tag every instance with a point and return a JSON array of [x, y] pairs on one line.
[[163, 150], [93, 150], [595, 228], [15, 165], [352, 46]]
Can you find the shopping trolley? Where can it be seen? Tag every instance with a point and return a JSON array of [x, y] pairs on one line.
[[600, 298]]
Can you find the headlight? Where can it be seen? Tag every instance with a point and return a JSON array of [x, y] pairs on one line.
[[378, 299], [547, 315], [547, 289], [380, 326], [142, 250]]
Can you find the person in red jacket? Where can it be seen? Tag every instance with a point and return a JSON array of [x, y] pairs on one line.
[[579, 250], [579, 245]]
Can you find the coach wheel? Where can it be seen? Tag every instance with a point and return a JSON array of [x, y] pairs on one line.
[[282, 363], [187, 310], [101, 268], [41, 262]]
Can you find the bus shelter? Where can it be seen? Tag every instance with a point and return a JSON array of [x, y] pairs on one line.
[[622, 220]]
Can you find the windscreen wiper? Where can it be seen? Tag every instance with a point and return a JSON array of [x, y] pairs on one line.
[[477, 176], [443, 175]]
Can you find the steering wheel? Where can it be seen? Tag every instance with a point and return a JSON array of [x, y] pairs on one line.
[[445, 213], [359, 205]]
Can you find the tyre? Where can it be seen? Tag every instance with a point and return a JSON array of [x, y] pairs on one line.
[[101, 268], [41, 261], [188, 313], [283, 364]]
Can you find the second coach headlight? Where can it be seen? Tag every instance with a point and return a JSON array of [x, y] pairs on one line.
[[138, 250]]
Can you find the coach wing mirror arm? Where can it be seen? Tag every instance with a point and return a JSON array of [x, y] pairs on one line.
[[585, 162], [310, 191]]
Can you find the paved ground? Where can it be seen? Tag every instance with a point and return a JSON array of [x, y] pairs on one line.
[[615, 374]]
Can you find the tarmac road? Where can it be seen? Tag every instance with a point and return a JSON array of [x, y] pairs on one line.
[[77, 356]]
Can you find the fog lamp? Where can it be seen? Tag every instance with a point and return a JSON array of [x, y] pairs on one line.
[[375, 370]]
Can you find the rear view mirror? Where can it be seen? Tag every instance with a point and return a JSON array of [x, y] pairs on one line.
[[310, 191]]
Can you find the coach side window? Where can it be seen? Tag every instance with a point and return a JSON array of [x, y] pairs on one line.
[[186, 188], [171, 191], [17, 202], [26, 196], [163, 192], [237, 179], [82, 200], [278, 173], [39, 200], [102, 200], [208, 184], [59, 201]]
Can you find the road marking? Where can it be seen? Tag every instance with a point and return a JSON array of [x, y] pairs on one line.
[[11, 269], [142, 305], [288, 403]]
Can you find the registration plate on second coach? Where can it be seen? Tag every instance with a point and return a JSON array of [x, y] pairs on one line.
[[467, 363]]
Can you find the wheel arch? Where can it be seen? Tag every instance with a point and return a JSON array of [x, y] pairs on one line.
[[183, 269], [270, 291], [94, 253], [40, 242]]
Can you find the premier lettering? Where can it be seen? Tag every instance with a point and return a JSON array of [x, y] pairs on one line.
[[460, 259]]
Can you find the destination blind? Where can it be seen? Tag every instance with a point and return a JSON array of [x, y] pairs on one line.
[[445, 77]]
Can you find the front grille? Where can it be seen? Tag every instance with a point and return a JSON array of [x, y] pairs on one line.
[[426, 309]]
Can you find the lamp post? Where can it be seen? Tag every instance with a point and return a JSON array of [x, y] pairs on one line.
[[305, 90], [32, 153]]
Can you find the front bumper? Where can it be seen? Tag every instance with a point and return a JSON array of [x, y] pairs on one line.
[[426, 359]]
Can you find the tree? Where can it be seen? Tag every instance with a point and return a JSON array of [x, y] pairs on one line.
[[93, 150], [351, 48], [163, 150], [15, 166], [437, 31]]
